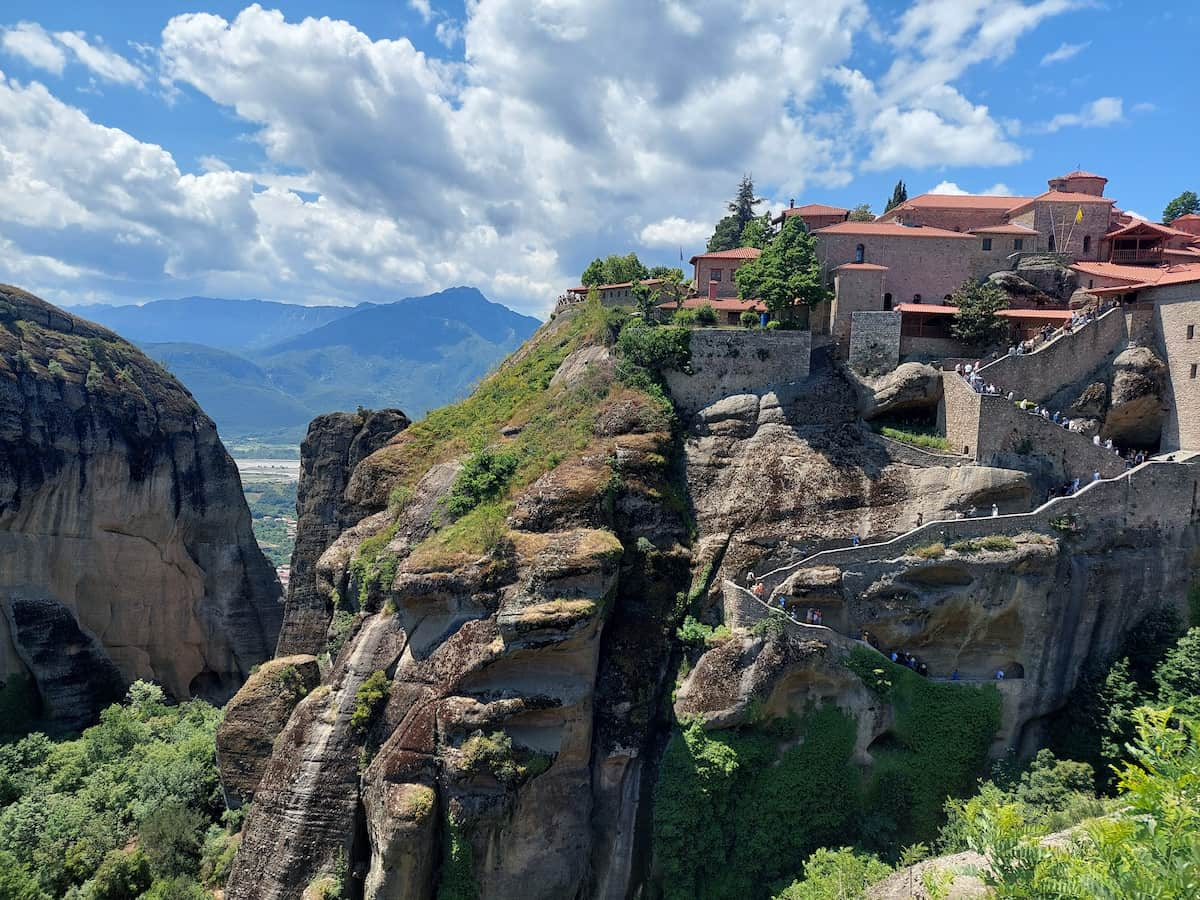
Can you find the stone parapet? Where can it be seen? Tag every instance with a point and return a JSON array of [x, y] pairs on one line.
[[728, 362], [874, 341]]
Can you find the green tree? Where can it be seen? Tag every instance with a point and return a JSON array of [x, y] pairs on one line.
[[787, 272], [862, 213], [1185, 204], [123, 875], [1178, 675], [758, 232], [645, 301], [614, 270], [728, 233], [666, 273], [976, 321], [899, 195], [170, 836], [837, 875]]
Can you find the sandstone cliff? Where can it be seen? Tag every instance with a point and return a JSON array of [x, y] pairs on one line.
[[125, 543], [504, 633]]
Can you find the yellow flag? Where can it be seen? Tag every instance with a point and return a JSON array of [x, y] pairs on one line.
[[1079, 215]]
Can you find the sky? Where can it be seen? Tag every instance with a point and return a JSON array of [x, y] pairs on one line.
[[376, 149]]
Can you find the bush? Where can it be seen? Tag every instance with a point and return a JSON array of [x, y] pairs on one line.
[[656, 349], [993, 542], [56, 370], [693, 632], [491, 754], [123, 875], [216, 856], [1178, 675], [181, 888], [935, 550], [456, 877], [95, 378], [706, 315], [368, 700], [484, 476], [685, 318], [837, 875], [170, 837], [774, 325], [749, 319]]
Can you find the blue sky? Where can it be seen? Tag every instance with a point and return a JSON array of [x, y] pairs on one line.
[[318, 152]]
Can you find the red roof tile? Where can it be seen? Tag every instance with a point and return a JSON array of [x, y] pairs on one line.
[[815, 209], [1080, 174], [1005, 229], [868, 267], [891, 229], [990, 202], [721, 304], [736, 253]]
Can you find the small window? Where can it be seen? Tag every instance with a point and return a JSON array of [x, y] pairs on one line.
[[987, 243], [1091, 283], [1018, 243], [1192, 374], [887, 301], [1087, 243], [916, 298], [860, 253], [714, 275], [1191, 332], [1052, 244]]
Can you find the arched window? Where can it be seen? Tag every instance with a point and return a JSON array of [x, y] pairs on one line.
[[1087, 243], [947, 298], [1052, 246], [887, 301], [860, 253]]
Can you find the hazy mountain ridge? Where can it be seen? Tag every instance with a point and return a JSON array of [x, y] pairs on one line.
[[263, 369]]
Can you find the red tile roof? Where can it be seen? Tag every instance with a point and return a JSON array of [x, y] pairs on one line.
[[1060, 197], [583, 289], [891, 229], [867, 267], [815, 209], [943, 309], [928, 309], [1132, 274], [959, 201], [1139, 277], [721, 304], [1004, 229], [736, 253], [1140, 225], [1080, 174]]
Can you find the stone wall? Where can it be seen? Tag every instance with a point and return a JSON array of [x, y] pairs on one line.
[[958, 414], [739, 362], [874, 341], [932, 347], [931, 266], [1049, 218], [1040, 375], [856, 289], [1176, 309]]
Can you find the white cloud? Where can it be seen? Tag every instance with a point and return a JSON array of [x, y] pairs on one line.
[[32, 43], [1136, 215], [423, 9], [1097, 114], [675, 232], [103, 62], [1064, 52], [949, 187]]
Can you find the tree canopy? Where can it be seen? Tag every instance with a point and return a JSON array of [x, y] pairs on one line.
[[787, 272], [862, 213], [975, 320], [614, 269], [729, 231], [758, 232], [1185, 204], [899, 195]]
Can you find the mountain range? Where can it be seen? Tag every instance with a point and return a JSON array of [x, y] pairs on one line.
[[262, 369]]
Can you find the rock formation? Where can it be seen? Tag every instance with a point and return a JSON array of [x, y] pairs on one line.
[[1137, 409], [334, 445], [125, 543], [512, 573]]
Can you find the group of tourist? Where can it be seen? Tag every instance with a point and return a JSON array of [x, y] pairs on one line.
[[910, 662], [974, 513]]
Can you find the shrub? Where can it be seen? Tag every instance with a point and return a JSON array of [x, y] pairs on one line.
[[493, 755], [706, 315], [57, 372], [693, 632], [769, 627], [1178, 675], [484, 476], [837, 875], [993, 542], [749, 319], [935, 550], [368, 700], [656, 349], [123, 875], [456, 877], [216, 856], [181, 888], [685, 318], [339, 630], [23, 361], [170, 836], [95, 377], [774, 325]]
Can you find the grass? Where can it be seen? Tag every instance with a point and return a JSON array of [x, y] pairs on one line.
[[924, 440], [480, 532], [992, 542], [928, 551]]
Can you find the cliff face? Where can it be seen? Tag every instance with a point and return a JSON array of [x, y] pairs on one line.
[[125, 543], [507, 587]]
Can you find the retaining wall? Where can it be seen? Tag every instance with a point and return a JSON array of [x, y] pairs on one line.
[[874, 341], [731, 362], [1040, 375]]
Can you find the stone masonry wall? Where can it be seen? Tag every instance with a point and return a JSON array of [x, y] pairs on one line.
[[874, 341], [958, 414], [727, 362], [1177, 308], [930, 266], [1040, 375]]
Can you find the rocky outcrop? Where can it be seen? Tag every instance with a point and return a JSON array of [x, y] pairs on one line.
[[122, 514], [334, 445], [255, 717], [1137, 408], [1049, 274], [909, 388]]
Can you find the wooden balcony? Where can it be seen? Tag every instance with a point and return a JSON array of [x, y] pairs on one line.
[[1146, 255]]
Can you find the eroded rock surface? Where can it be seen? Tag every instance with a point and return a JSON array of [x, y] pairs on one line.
[[1137, 407], [120, 506], [911, 387]]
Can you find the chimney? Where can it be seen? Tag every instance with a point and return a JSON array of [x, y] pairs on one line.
[[712, 290], [792, 203]]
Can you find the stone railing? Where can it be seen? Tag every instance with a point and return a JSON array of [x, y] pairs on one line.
[[1062, 361], [1151, 493]]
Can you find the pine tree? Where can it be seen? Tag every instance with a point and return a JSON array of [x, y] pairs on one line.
[[728, 233], [899, 195]]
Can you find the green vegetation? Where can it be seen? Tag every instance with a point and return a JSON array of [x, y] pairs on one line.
[[614, 270], [697, 634], [732, 811], [1185, 204], [273, 516], [926, 440], [749, 319], [369, 700], [788, 271], [935, 550], [899, 195], [1178, 676], [992, 542], [456, 879], [937, 747], [69, 810], [484, 476], [861, 213], [706, 315], [730, 232], [976, 321], [837, 875], [493, 754]]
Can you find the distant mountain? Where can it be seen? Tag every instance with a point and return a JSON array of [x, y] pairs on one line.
[[417, 354], [237, 325]]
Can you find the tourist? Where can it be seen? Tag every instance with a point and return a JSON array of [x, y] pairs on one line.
[[759, 589], [1012, 351], [972, 512], [854, 541], [819, 617], [958, 369], [954, 675], [1108, 445], [995, 510], [893, 656], [1096, 475], [957, 514], [782, 605], [1096, 439], [920, 519], [1075, 486], [999, 674], [1010, 396], [750, 579]]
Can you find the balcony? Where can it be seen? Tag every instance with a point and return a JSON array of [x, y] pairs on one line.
[[1136, 256]]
